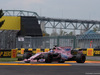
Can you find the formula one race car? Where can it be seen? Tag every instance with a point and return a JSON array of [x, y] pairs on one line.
[[59, 54]]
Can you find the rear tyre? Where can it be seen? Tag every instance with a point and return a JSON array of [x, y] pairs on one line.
[[48, 58], [80, 58], [27, 55]]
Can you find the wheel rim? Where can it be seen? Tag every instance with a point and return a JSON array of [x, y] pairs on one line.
[[82, 58]]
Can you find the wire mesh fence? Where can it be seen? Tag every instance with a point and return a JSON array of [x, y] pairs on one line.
[[8, 40], [45, 42]]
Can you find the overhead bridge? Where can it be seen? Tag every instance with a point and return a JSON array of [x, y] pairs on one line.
[[73, 24], [57, 23]]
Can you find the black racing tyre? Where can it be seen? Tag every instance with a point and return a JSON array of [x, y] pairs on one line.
[[48, 58], [27, 55], [27, 61], [20, 59], [80, 58], [61, 61]]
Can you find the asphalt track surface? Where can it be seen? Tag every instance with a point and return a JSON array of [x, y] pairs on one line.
[[68, 68]]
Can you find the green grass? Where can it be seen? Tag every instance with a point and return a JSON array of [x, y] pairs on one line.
[[92, 60], [8, 59], [16, 59]]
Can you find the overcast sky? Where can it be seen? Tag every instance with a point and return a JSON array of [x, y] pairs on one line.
[[72, 9]]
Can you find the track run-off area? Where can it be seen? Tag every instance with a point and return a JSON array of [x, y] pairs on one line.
[[67, 63], [67, 68]]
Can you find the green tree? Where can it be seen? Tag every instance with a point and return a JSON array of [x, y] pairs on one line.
[[54, 34], [71, 33], [62, 33], [1, 14], [95, 29]]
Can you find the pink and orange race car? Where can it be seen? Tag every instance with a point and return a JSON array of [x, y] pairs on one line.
[[58, 54]]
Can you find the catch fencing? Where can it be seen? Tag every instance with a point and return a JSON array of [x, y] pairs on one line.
[[45, 42]]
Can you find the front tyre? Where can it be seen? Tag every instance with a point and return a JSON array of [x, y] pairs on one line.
[[28, 61], [27, 55], [48, 58], [80, 58], [61, 61]]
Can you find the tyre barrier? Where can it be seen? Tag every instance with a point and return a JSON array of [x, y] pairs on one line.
[[12, 53], [34, 51], [91, 52], [87, 52], [8, 53]]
